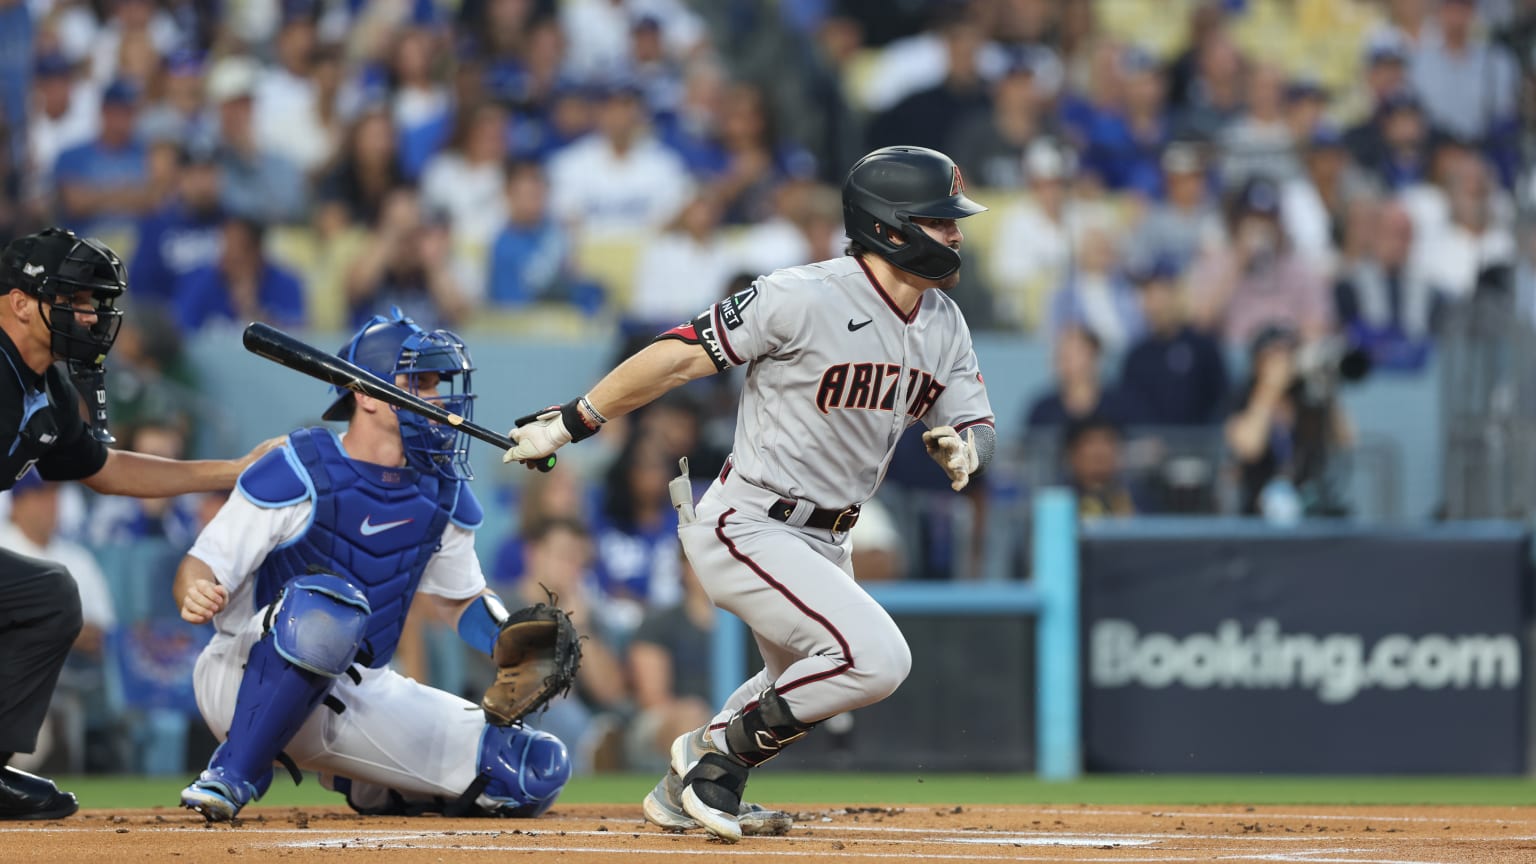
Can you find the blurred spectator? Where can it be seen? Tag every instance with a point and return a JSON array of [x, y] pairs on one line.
[[926, 59], [686, 268], [256, 182], [635, 534], [692, 129], [879, 553], [1394, 145], [117, 519], [1385, 301], [659, 72], [1468, 85], [929, 115], [65, 113], [1178, 373], [1283, 433], [618, 179], [1258, 279], [1080, 390], [1473, 239], [669, 661], [185, 234], [1206, 25], [1188, 218], [1123, 145], [1315, 204], [179, 112], [531, 255], [420, 104], [466, 182], [541, 498], [353, 192], [555, 557], [127, 22], [1091, 452], [990, 146], [290, 118], [599, 33], [755, 159], [1032, 253], [807, 226], [1306, 101], [243, 286], [103, 185], [406, 264], [1214, 97], [1095, 295], [1259, 143]]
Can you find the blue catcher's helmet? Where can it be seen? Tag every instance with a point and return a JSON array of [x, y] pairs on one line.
[[394, 345]]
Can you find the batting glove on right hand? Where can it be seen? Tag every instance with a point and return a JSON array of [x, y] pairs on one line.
[[955, 455], [537, 436]]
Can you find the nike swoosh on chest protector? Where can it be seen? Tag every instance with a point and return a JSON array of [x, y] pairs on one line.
[[369, 529]]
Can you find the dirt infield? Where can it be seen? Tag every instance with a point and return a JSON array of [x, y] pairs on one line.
[[589, 833]]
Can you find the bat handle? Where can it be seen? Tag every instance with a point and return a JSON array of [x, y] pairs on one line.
[[546, 464]]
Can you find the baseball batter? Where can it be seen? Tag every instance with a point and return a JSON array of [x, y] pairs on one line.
[[842, 357], [307, 573]]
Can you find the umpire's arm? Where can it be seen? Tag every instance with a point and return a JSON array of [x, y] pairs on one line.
[[144, 476]]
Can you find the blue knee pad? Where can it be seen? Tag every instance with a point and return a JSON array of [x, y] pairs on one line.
[[313, 635], [525, 769], [319, 623]]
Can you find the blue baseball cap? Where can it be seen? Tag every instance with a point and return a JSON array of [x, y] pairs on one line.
[[1157, 268], [120, 92], [52, 65], [1326, 136]]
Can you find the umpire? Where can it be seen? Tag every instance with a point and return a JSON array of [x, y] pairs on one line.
[[58, 302]]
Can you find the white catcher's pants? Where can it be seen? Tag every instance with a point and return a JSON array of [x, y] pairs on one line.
[[394, 733]]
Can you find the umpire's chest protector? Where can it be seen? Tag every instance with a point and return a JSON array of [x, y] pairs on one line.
[[376, 525]]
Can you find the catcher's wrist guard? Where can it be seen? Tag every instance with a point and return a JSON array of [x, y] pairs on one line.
[[481, 622], [537, 653]]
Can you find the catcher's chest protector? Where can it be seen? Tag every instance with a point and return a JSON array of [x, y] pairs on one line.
[[376, 525]]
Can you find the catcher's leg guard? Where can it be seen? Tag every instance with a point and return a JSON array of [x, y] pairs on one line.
[[313, 633], [522, 771]]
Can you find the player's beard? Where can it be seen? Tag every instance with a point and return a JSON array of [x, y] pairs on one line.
[[949, 282]]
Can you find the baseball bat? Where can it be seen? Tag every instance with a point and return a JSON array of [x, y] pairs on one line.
[[279, 347]]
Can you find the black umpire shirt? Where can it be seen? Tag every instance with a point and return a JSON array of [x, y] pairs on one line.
[[40, 424]]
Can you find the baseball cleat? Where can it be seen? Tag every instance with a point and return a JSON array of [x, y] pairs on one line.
[[664, 808], [212, 797]]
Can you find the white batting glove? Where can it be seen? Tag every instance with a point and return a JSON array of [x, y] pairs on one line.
[[955, 455], [538, 438]]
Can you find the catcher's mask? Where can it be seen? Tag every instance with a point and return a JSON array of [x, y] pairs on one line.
[[394, 345], [71, 277], [887, 188]]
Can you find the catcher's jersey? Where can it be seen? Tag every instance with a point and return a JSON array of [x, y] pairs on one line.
[[836, 373]]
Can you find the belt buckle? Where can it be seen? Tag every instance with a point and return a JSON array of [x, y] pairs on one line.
[[852, 513]]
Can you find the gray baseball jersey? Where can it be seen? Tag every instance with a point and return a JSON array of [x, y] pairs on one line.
[[836, 374]]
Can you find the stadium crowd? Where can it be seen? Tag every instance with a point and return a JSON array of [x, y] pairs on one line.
[[1213, 211]]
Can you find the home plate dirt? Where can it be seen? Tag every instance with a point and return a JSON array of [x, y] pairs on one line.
[[588, 833]]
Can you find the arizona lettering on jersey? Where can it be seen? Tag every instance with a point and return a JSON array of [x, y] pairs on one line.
[[798, 428], [873, 386]]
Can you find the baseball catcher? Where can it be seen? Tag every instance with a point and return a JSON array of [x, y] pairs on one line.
[[307, 573]]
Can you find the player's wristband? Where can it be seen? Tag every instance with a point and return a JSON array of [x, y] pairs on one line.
[[481, 622], [577, 422]]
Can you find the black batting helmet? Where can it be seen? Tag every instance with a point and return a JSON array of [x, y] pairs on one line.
[[889, 187], [56, 265]]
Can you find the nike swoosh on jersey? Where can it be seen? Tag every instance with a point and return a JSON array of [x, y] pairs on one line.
[[852, 326], [369, 529]]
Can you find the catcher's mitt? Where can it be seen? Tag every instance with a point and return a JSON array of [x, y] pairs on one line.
[[537, 654]]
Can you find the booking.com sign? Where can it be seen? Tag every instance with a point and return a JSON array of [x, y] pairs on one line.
[[1336, 666]]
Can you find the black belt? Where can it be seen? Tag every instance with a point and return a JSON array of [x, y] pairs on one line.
[[839, 521]]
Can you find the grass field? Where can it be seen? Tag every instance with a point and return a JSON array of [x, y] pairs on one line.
[[786, 788]]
